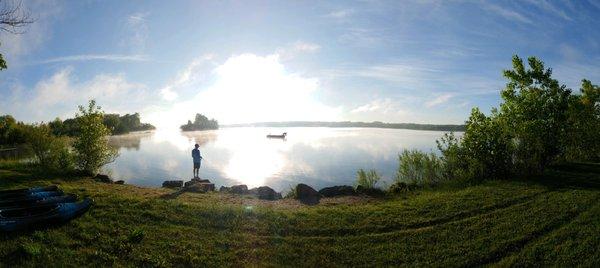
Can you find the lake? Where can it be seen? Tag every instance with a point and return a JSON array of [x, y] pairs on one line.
[[319, 157]]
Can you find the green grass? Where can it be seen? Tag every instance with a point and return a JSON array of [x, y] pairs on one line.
[[554, 220]]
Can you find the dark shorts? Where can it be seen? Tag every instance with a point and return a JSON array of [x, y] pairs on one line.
[[197, 165]]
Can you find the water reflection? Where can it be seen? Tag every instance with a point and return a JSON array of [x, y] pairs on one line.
[[317, 156]]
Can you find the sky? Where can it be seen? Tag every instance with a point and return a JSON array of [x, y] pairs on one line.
[[256, 61]]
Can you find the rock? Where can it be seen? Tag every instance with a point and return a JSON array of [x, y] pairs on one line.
[[200, 187], [224, 189], [369, 191], [266, 193], [307, 194], [120, 182], [172, 184], [194, 181], [341, 190], [103, 178], [239, 189]]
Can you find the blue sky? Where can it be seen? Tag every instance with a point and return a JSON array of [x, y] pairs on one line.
[[247, 61]]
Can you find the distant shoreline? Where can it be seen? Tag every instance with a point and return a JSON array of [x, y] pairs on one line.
[[349, 124]]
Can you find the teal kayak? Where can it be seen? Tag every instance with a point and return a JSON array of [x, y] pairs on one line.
[[15, 219]]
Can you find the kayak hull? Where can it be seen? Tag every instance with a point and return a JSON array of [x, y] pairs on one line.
[[16, 219]]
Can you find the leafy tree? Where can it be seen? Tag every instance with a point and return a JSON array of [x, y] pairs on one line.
[[201, 122], [535, 111], [11, 131], [583, 142], [91, 145]]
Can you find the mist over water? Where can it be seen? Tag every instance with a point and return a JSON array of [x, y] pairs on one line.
[[319, 157]]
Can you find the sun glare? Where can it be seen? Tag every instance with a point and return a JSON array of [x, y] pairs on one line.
[[250, 88]]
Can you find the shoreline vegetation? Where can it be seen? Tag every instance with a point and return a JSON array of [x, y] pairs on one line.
[[350, 124]]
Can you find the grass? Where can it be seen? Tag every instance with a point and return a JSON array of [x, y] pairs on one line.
[[554, 220]]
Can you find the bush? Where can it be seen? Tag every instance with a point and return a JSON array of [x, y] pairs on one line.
[[50, 152], [91, 145], [367, 179], [419, 168]]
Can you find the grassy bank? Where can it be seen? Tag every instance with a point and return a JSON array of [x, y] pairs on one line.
[[550, 220]]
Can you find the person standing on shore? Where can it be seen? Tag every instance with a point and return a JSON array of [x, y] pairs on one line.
[[197, 160]]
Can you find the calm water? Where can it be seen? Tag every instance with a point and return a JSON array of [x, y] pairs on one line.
[[319, 157]]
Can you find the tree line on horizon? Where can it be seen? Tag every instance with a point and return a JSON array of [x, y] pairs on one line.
[[13, 132]]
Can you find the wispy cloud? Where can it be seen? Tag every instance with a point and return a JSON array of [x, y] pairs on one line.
[[185, 77], [383, 106], [298, 47], [136, 31], [95, 57], [441, 99], [507, 13], [339, 14], [549, 7]]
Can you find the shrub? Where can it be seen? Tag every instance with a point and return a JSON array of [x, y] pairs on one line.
[[367, 179], [419, 168], [50, 152], [91, 145]]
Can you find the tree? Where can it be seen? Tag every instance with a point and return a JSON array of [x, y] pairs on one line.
[[91, 146], [535, 111], [12, 20], [583, 142]]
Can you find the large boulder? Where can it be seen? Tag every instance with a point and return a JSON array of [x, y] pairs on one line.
[[239, 189], [120, 182], [103, 178], [340, 190], [307, 194], [194, 181], [266, 193], [200, 187], [172, 184]]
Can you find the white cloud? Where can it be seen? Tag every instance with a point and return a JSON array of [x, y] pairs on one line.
[[61, 93], [250, 88], [91, 57], [384, 106], [441, 99]]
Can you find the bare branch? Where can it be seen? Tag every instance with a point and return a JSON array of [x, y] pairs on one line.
[[13, 17]]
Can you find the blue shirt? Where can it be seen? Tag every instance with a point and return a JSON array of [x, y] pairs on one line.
[[196, 155]]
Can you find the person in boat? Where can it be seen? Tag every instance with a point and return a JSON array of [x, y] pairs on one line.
[[197, 160]]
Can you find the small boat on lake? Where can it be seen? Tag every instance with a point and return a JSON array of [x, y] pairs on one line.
[[282, 136], [22, 218]]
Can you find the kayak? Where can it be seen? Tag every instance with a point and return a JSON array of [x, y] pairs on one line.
[[34, 195], [14, 219], [36, 201], [25, 191]]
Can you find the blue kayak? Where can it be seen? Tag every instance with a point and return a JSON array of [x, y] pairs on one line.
[[30, 201], [33, 195], [27, 191], [15, 219]]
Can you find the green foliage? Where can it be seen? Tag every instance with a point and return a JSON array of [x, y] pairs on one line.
[[201, 122], [535, 112], [419, 168], [90, 144], [2, 63], [136, 236], [367, 179], [11, 131], [584, 124], [51, 153], [117, 124]]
